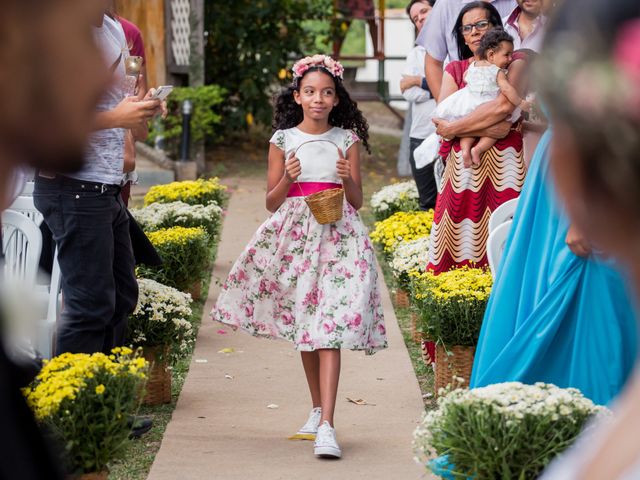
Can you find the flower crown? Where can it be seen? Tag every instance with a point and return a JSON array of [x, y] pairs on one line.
[[334, 67]]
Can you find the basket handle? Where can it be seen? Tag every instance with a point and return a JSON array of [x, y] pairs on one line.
[[295, 152]]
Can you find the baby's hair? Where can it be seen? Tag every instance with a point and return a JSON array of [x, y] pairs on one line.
[[492, 40], [288, 114]]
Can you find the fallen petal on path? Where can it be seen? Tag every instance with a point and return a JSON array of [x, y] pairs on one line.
[[226, 350], [201, 360], [360, 401], [272, 406]]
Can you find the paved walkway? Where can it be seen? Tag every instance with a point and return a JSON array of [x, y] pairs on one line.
[[222, 427]]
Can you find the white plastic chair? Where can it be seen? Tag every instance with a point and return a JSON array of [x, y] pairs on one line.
[[503, 214], [48, 294], [495, 245], [21, 245]]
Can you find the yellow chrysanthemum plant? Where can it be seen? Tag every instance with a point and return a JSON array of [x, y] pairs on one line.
[[193, 192], [185, 256], [399, 227], [451, 305], [86, 401]]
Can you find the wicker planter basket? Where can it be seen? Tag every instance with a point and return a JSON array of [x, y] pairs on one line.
[[326, 206], [402, 298], [195, 290], [415, 333], [158, 387], [454, 369], [92, 476]]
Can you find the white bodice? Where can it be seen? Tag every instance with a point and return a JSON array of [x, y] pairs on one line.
[[482, 80], [317, 158]]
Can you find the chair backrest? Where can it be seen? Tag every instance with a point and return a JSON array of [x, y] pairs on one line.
[[21, 246], [495, 245], [502, 214], [24, 205]]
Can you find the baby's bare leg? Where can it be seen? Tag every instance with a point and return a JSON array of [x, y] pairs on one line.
[[484, 144], [465, 145]]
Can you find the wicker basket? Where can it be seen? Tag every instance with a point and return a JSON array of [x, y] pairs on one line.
[[326, 206], [402, 298], [416, 334], [158, 387], [454, 369], [91, 476]]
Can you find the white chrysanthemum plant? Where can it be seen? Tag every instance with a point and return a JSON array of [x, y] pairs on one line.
[[166, 215], [409, 256], [503, 428], [162, 317], [397, 197]]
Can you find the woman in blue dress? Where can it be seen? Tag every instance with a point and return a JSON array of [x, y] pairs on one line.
[[558, 313]]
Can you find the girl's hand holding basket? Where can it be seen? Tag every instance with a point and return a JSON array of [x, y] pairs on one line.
[[292, 168], [343, 166]]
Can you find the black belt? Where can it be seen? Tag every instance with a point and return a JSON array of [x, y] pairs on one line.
[[76, 183]]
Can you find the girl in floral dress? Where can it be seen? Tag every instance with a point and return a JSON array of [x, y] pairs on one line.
[[314, 285]]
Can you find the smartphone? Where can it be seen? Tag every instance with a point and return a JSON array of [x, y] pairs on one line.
[[162, 92]]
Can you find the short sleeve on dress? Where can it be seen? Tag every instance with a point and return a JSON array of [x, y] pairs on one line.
[[350, 138], [457, 69], [278, 139]]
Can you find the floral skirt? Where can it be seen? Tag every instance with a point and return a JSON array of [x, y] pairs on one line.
[[314, 285]]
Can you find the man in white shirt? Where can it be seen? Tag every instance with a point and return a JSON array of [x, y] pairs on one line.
[[422, 105], [526, 25], [439, 40], [88, 219]]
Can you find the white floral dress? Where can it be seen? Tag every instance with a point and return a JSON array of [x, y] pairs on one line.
[[314, 285]]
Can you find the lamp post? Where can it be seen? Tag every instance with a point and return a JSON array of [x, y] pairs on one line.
[[187, 110]]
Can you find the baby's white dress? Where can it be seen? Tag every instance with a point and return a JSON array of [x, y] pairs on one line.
[[482, 87]]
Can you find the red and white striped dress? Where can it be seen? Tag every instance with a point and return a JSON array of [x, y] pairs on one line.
[[469, 195]]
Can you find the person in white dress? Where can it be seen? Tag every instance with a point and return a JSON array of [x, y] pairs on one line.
[[312, 284], [485, 80]]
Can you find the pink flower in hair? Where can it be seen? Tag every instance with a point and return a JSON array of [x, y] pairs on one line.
[[626, 56], [332, 66]]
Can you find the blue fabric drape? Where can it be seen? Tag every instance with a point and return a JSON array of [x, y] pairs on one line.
[[554, 317]]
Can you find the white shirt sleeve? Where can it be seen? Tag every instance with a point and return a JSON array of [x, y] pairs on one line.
[[433, 36], [415, 66]]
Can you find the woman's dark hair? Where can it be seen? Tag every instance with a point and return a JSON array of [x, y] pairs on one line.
[[583, 81], [494, 19], [413, 2], [492, 40], [288, 114]]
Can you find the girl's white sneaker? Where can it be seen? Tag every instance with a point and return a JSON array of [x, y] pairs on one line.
[[326, 445], [309, 429]]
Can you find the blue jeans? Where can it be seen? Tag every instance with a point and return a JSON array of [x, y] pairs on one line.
[[90, 227]]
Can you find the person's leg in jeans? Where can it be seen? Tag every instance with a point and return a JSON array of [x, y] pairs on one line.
[[125, 281], [425, 180], [82, 225]]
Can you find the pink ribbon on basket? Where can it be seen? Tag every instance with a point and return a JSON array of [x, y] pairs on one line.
[[303, 189]]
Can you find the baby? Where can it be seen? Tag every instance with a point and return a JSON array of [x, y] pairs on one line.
[[485, 79]]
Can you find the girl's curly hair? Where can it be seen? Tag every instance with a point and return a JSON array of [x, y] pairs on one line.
[[346, 114]]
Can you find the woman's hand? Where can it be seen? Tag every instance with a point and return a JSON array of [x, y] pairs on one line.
[[577, 242], [443, 128], [292, 168], [409, 81], [343, 165]]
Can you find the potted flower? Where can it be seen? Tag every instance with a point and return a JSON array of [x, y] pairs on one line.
[[401, 226], [506, 430], [451, 307], [185, 254], [160, 325], [194, 192], [157, 216], [410, 256], [398, 197], [86, 401]]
